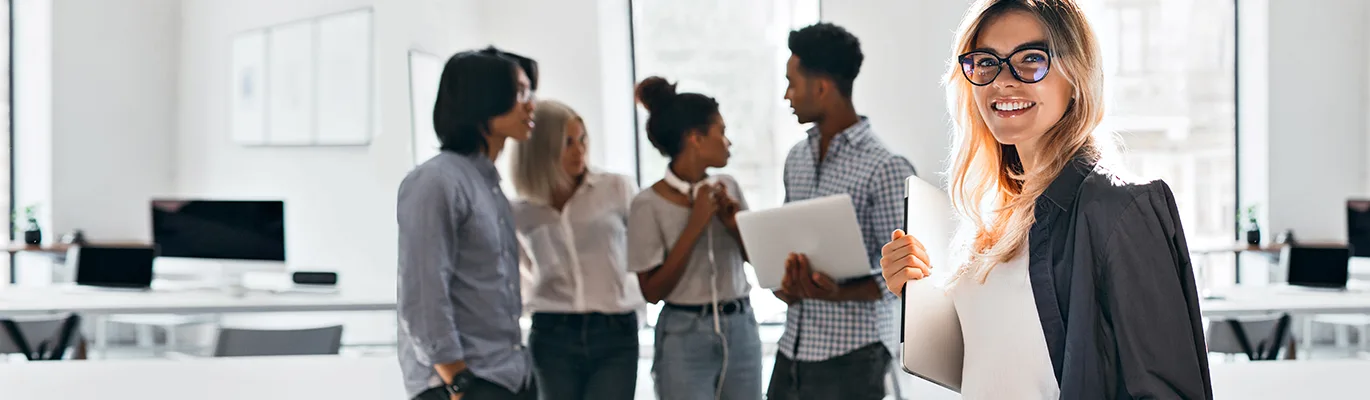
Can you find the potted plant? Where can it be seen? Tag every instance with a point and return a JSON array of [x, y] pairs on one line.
[[33, 234], [1253, 227]]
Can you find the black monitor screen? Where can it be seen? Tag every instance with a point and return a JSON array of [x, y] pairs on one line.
[[237, 230], [1358, 227]]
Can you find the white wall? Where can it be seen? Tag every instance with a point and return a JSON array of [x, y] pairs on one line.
[[585, 64], [340, 201], [1312, 116], [907, 46]]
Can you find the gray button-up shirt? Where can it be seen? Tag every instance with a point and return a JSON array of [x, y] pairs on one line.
[[458, 274]]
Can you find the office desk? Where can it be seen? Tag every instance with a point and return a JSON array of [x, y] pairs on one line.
[[62, 298], [258, 378], [1240, 301], [96, 305], [1332, 379]]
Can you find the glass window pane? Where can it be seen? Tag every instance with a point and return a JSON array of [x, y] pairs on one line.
[[1171, 98], [734, 51]]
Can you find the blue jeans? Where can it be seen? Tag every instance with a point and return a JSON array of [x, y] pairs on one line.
[[689, 356], [585, 356]]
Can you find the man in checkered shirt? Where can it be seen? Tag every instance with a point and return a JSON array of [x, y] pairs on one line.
[[839, 336]]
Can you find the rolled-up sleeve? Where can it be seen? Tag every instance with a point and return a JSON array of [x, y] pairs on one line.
[[646, 247], [427, 211]]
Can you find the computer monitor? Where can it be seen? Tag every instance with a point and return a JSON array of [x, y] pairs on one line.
[[220, 229], [1358, 227]]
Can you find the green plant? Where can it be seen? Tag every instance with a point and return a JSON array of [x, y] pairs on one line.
[[30, 215], [1251, 220]]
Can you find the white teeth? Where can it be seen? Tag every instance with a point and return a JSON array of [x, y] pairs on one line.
[[1013, 105]]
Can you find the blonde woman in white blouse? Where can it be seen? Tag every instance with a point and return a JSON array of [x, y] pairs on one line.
[[572, 227]]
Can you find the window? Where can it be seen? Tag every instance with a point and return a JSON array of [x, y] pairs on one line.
[[7, 138], [1171, 93], [734, 51]]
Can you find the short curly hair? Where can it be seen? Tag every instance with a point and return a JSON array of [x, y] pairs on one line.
[[828, 50]]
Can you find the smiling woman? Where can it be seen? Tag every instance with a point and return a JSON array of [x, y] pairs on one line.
[[1105, 275]]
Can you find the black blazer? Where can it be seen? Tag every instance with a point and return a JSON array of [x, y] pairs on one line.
[[1114, 288]]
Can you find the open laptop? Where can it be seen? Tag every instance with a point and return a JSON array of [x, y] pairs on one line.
[[1321, 267], [128, 268], [823, 229]]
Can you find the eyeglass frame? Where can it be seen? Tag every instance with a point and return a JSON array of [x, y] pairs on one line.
[[1002, 61]]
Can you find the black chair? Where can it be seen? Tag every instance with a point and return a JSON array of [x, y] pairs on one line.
[[1258, 338], [45, 338]]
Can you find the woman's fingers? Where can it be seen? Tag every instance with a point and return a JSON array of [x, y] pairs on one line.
[[897, 244]]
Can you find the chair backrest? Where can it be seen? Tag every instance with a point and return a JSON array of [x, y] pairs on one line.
[[1259, 338], [39, 338], [237, 342]]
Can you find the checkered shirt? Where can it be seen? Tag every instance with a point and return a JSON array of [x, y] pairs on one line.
[[859, 165]]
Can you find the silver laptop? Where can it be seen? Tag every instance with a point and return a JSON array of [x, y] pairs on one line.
[[823, 229], [930, 329]]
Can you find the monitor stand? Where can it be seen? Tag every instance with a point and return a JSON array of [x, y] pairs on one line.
[[220, 272]]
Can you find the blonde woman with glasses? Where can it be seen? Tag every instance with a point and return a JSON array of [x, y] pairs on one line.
[[572, 223], [1076, 282]]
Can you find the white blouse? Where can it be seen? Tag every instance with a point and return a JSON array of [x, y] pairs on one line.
[[1005, 350], [577, 258]]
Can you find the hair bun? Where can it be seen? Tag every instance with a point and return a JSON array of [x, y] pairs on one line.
[[654, 92]]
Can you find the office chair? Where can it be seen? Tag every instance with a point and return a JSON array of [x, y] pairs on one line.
[[237, 342], [1259, 338], [40, 338]]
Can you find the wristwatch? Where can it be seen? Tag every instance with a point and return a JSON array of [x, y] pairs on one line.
[[461, 382]]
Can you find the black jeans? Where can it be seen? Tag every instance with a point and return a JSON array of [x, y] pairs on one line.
[[858, 375], [483, 390], [585, 356]]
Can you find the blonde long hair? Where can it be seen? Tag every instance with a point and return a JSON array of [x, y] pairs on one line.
[[536, 165], [986, 173]]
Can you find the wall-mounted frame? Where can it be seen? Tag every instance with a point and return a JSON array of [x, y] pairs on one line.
[[305, 83], [425, 72]]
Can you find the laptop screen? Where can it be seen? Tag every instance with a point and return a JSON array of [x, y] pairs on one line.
[[1318, 266], [125, 267]]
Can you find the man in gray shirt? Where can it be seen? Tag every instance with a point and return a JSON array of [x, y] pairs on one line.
[[459, 303]]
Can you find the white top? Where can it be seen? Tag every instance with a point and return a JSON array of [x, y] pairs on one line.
[[655, 226], [226, 378], [1005, 350], [578, 257]]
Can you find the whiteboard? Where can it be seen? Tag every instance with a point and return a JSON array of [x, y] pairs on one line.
[[290, 84], [425, 72], [344, 83], [249, 88]]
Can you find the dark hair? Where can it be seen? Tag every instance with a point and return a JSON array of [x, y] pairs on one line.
[[672, 114], [828, 50], [475, 87]]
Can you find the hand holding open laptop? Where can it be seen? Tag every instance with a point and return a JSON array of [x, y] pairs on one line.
[[802, 282]]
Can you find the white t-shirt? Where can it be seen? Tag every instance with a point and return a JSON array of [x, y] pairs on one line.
[[1005, 350]]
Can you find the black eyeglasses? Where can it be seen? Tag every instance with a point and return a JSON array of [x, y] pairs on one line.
[[1028, 65]]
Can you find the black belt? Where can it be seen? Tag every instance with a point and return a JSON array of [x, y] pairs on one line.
[[541, 318], [725, 308]]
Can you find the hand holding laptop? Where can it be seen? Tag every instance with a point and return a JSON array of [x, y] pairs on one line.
[[903, 259], [802, 282]]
